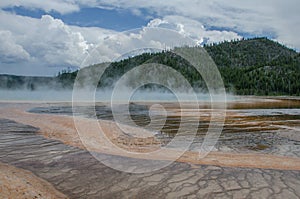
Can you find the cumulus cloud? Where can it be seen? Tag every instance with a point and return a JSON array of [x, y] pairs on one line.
[[50, 42], [47, 40], [193, 29], [147, 39], [10, 51], [277, 18], [55, 43]]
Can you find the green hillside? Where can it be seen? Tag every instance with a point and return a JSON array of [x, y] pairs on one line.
[[250, 52], [257, 66]]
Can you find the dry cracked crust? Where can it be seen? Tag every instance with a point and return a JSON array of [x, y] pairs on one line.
[[77, 174]]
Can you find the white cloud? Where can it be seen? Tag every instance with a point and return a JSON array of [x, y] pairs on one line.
[[55, 43], [123, 44], [10, 51], [62, 7], [47, 40], [276, 17], [280, 18], [193, 29], [50, 42]]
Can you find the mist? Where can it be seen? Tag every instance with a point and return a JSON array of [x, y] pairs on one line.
[[105, 95]]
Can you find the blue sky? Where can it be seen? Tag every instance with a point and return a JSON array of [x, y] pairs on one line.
[[115, 19], [44, 37]]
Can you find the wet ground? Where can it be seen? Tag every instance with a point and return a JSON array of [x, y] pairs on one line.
[[249, 127], [269, 127], [77, 174]]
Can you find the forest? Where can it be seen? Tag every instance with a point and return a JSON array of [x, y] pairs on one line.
[[256, 66]]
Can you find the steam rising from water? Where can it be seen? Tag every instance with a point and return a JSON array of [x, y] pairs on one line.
[[100, 96]]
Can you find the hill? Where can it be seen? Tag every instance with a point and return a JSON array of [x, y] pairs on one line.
[[250, 52], [14, 82], [257, 66], [25, 82]]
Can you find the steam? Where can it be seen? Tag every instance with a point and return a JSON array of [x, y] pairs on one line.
[[103, 95]]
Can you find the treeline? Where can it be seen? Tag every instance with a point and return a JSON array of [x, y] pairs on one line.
[[256, 66], [14, 82]]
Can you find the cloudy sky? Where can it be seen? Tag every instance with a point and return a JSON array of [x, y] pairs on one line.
[[43, 37]]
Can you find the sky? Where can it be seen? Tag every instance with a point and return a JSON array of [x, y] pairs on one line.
[[44, 37]]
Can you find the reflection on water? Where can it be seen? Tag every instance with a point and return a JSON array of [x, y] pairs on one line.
[[247, 128]]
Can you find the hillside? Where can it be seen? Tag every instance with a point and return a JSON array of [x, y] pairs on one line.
[[24, 82], [250, 52], [14, 82], [255, 66]]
